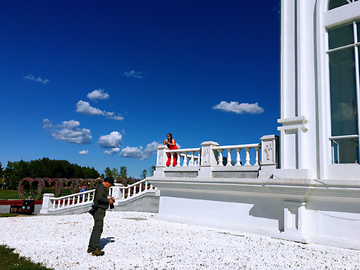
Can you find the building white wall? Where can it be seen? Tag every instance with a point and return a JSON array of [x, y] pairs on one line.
[[306, 211], [307, 198]]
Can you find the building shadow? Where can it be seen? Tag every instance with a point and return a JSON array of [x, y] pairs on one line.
[[104, 241]]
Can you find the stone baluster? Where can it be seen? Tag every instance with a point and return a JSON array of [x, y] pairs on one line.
[[220, 157], [247, 156], [228, 157], [192, 158], [172, 159], [238, 158], [185, 159], [257, 148], [178, 160]]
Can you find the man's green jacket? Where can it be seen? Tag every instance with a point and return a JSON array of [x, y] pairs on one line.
[[101, 195]]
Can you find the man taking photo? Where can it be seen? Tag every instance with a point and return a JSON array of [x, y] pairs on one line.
[[101, 203]]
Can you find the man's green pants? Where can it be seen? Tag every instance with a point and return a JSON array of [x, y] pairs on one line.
[[97, 229]]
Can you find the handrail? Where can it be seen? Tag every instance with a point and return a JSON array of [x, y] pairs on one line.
[[73, 199], [251, 145], [87, 197], [183, 150], [133, 189]]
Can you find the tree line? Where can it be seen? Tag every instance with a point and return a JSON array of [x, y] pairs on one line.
[[122, 174], [15, 171]]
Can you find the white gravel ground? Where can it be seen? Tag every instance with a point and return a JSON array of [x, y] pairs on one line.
[[137, 241]]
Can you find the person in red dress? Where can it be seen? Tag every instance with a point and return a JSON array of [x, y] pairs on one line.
[[171, 144]]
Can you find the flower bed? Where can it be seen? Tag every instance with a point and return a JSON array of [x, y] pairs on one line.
[[16, 202]]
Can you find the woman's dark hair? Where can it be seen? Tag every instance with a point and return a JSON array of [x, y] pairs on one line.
[[170, 136]]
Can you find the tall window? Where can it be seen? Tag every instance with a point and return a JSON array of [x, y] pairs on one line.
[[338, 3], [344, 90]]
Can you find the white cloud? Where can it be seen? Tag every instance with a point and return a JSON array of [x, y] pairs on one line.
[[84, 152], [235, 107], [31, 77], [97, 94], [137, 152], [111, 115], [68, 131], [113, 140], [133, 74], [85, 108], [112, 151]]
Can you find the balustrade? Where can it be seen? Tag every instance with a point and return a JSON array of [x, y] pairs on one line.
[[214, 161], [119, 192], [74, 199], [134, 189], [238, 149], [188, 160]]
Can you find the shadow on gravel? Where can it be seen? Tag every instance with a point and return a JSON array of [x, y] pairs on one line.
[[104, 241]]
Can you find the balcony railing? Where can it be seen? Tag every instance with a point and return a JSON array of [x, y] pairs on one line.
[[120, 193], [214, 161]]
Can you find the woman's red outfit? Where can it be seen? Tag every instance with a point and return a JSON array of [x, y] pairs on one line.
[[172, 147]]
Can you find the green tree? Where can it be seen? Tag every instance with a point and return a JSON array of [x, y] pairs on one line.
[[108, 172], [1, 168], [115, 173], [123, 173], [143, 174], [152, 170]]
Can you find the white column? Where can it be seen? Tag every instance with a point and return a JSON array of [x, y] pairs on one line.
[[160, 161], [208, 159], [47, 204], [116, 193], [269, 155], [294, 220]]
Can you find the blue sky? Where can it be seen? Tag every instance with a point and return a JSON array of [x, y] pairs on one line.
[[101, 84]]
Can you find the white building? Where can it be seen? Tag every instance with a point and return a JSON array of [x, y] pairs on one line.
[[306, 186]]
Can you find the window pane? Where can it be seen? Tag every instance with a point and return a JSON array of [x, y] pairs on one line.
[[343, 93], [358, 31], [341, 36], [337, 3], [346, 150]]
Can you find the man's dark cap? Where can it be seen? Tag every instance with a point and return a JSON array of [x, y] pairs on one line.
[[109, 180]]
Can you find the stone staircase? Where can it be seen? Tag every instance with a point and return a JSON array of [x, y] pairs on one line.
[[140, 196]]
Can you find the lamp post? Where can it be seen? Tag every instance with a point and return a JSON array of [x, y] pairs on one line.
[[2, 186]]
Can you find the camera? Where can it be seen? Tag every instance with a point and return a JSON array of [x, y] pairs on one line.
[[112, 205]]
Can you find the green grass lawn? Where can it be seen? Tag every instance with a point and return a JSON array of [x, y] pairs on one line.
[[9, 260], [6, 194]]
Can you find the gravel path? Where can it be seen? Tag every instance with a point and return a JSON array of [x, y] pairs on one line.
[[137, 241]]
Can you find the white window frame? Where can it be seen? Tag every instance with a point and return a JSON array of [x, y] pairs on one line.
[[326, 19]]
